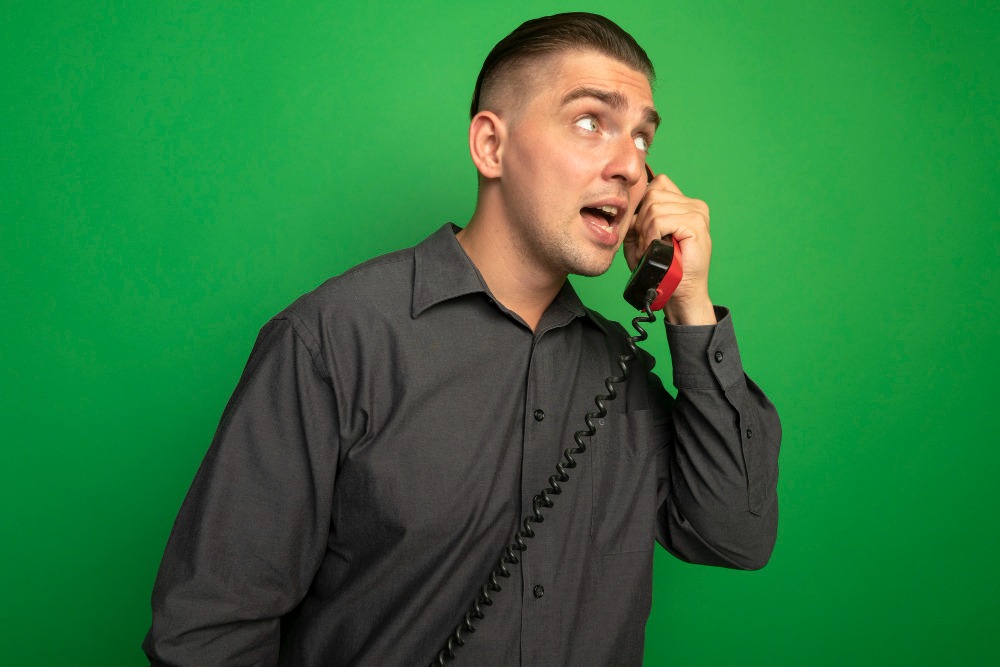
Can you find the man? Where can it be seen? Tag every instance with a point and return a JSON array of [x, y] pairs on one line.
[[392, 426]]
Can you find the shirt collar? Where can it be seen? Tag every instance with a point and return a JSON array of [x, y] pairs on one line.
[[443, 271]]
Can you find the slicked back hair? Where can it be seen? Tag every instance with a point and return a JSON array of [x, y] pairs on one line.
[[549, 35]]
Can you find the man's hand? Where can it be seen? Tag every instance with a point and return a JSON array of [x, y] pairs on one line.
[[665, 210]]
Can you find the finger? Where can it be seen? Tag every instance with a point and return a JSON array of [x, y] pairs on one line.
[[663, 182], [667, 207], [661, 195], [681, 226], [662, 218]]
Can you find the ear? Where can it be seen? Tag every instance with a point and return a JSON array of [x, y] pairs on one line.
[[487, 136]]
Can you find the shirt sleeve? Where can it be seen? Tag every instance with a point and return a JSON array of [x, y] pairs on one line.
[[252, 530], [718, 476]]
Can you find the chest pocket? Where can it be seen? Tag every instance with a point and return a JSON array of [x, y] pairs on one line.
[[624, 483]]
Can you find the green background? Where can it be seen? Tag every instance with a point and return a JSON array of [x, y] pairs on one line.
[[174, 173]]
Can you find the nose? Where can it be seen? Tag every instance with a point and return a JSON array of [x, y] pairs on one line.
[[626, 163]]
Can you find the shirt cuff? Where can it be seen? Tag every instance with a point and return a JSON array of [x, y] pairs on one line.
[[705, 356]]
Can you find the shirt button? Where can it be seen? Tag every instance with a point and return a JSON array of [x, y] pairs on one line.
[[539, 415], [539, 591], [749, 434], [718, 356]]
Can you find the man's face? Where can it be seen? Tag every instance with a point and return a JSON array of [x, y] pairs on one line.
[[574, 164]]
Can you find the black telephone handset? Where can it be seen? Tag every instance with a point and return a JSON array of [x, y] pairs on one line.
[[653, 281], [659, 270]]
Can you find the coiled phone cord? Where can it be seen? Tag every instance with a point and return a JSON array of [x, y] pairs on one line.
[[544, 499]]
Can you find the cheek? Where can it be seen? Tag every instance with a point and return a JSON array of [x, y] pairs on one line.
[[636, 193]]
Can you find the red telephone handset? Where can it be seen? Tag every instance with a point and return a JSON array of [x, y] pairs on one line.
[[660, 269]]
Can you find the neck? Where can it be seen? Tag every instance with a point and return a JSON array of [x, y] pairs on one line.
[[517, 281]]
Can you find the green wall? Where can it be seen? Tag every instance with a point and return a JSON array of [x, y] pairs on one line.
[[174, 173]]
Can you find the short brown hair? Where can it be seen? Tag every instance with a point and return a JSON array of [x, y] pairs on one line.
[[555, 34]]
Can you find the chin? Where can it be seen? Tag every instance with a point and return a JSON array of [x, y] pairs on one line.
[[592, 268]]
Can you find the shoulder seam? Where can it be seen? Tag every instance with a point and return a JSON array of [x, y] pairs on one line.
[[395, 257], [312, 345]]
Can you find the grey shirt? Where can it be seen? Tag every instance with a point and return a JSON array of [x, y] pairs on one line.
[[385, 439]]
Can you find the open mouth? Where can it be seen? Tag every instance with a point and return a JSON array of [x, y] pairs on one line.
[[609, 213], [604, 220]]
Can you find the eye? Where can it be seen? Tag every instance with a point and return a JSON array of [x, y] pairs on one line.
[[588, 123], [642, 143]]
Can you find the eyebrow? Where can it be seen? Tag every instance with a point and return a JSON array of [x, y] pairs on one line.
[[612, 98]]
